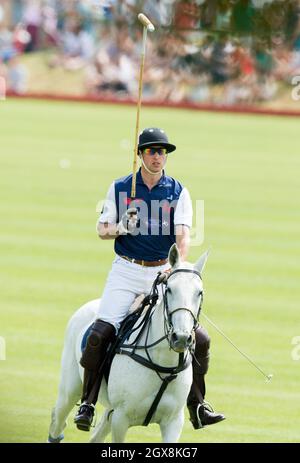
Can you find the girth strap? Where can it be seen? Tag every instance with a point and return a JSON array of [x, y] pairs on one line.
[[156, 401]]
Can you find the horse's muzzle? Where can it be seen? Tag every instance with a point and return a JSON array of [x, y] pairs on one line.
[[180, 342]]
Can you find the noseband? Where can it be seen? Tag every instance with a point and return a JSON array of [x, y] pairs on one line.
[[166, 304]]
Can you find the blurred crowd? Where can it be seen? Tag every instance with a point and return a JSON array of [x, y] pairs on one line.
[[203, 51]]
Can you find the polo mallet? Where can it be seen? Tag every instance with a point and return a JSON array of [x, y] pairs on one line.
[[267, 377], [148, 26]]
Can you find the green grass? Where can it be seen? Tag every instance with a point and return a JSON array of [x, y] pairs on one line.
[[43, 77], [245, 168]]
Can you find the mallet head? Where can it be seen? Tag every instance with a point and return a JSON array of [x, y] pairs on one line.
[[146, 22]]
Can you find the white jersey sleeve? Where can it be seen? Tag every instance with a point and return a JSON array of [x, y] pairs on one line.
[[109, 210], [184, 210]]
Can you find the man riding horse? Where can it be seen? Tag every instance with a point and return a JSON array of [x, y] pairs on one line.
[[142, 242]]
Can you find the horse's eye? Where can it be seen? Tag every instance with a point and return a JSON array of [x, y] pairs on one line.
[[168, 290]]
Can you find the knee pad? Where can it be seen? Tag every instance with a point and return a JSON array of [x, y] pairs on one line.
[[201, 351], [102, 333], [202, 337]]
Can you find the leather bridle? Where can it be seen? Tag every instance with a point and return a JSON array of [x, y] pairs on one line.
[[168, 313]]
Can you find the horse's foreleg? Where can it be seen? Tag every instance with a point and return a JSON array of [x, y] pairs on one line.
[[171, 429], [119, 426], [103, 428]]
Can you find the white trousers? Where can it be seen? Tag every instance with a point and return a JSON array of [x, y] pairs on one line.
[[125, 282]]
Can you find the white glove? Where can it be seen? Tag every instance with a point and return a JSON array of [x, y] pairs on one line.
[[128, 221]]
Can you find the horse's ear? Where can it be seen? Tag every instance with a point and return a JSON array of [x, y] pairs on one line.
[[174, 256], [200, 264]]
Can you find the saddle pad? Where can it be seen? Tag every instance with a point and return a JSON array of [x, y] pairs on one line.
[[85, 336]]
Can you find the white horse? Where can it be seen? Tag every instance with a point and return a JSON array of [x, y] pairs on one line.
[[132, 387]]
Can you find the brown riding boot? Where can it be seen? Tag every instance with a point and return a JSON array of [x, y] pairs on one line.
[[93, 360], [201, 413]]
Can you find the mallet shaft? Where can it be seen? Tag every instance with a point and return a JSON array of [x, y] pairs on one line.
[[267, 377], [147, 26], [135, 154]]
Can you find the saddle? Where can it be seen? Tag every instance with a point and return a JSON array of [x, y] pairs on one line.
[[139, 309]]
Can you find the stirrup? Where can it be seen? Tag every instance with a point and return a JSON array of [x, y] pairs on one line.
[[207, 416], [85, 422], [194, 417], [207, 406]]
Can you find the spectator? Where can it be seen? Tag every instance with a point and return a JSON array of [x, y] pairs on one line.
[[200, 90], [21, 38], [128, 9], [50, 26], [242, 61], [187, 14], [219, 63], [264, 63], [242, 17], [6, 43], [240, 91], [223, 16], [32, 18], [16, 75], [160, 11], [17, 7], [102, 37], [78, 45]]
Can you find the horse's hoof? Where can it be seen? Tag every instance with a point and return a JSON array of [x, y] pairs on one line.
[[55, 440]]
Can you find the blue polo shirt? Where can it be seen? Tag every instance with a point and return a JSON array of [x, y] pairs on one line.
[[155, 231]]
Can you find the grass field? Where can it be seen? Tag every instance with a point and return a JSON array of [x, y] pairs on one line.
[[57, 161]]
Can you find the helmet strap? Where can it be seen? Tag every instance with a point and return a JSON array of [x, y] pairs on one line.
[[148, 170]]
